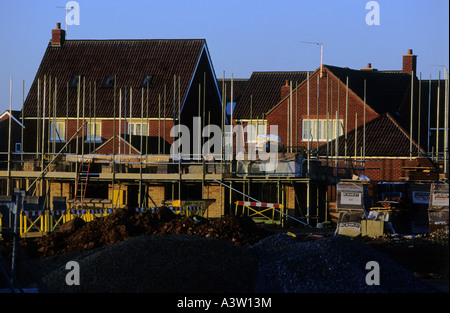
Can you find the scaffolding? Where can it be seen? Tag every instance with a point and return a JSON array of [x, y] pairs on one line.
[[303, 182]]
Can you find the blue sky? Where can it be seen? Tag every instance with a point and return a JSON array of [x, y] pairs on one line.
[[242, 35]]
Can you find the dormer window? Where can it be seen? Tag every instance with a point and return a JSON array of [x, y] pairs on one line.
[[109, 81], [73, 82], [146, 80]]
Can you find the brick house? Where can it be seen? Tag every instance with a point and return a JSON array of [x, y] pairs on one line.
[[119, 88], [336, 101], [257, 96], [332, 107], [108, 98], [387, 151], [115, 99]]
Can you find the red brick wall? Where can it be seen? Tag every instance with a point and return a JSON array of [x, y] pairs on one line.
[[392, 170], [336, 93], [383, 169], [107, 128]]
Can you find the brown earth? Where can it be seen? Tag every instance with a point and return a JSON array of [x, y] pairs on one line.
[[78, 235]]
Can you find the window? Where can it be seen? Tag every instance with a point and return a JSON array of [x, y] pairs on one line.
[[146, 81], [58, 131], [316, 129], [73, 82], [254, 129], [93, 131], [135, 129], [228, 147], [109, 81]]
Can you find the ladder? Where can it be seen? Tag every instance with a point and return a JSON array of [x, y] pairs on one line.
[[82, 178]]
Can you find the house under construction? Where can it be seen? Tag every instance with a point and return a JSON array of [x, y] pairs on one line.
[[96, 131]]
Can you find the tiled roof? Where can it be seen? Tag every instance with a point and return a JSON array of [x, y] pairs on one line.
[[129, 60], [239, 86], [115, 141], [385, 91], [263, 92], [384, 137]]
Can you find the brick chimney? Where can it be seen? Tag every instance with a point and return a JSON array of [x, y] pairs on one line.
[[58, 36], [409, 62], [285, 90], [369, 68]]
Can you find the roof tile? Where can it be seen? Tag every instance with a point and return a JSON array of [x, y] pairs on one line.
[[129, 60]]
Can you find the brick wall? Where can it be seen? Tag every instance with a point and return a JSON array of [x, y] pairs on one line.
[[156, 195], [217, 192], [289, 202], [336, 96], [59, 189], [107, 128], [384, 169], [392, 170]]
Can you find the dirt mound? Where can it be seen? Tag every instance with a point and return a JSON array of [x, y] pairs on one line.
[[328, 265], [161, 264], [77, 235]]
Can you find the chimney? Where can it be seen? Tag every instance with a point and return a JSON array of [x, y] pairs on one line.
[[369, 68], [58, 36], [285, 90], [409, 62]]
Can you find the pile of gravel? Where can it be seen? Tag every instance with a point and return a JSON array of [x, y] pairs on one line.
[[179, 263], [329, 265], [156, 264]]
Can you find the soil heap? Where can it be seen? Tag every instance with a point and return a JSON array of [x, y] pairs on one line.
[[123, 224]]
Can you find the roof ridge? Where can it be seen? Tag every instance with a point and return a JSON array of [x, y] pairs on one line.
[[129, 59], [402, 129], [147, 39], [278, 72], [383, 118]]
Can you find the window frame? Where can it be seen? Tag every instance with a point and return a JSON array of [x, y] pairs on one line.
[[307, 136], [107, 83], [72, 83], [146, 78], [254, 138], [97, 135], [131, 127], [61, 137]]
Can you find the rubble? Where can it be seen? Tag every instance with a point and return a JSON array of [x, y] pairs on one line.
[[123, 224], [440, 235]]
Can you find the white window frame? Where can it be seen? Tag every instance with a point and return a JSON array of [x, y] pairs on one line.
[[133, 126], [61, 127], [95, 136], [259, 126], [319, 133]]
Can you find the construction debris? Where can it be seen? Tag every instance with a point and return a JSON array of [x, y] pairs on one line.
[[123, 224]]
